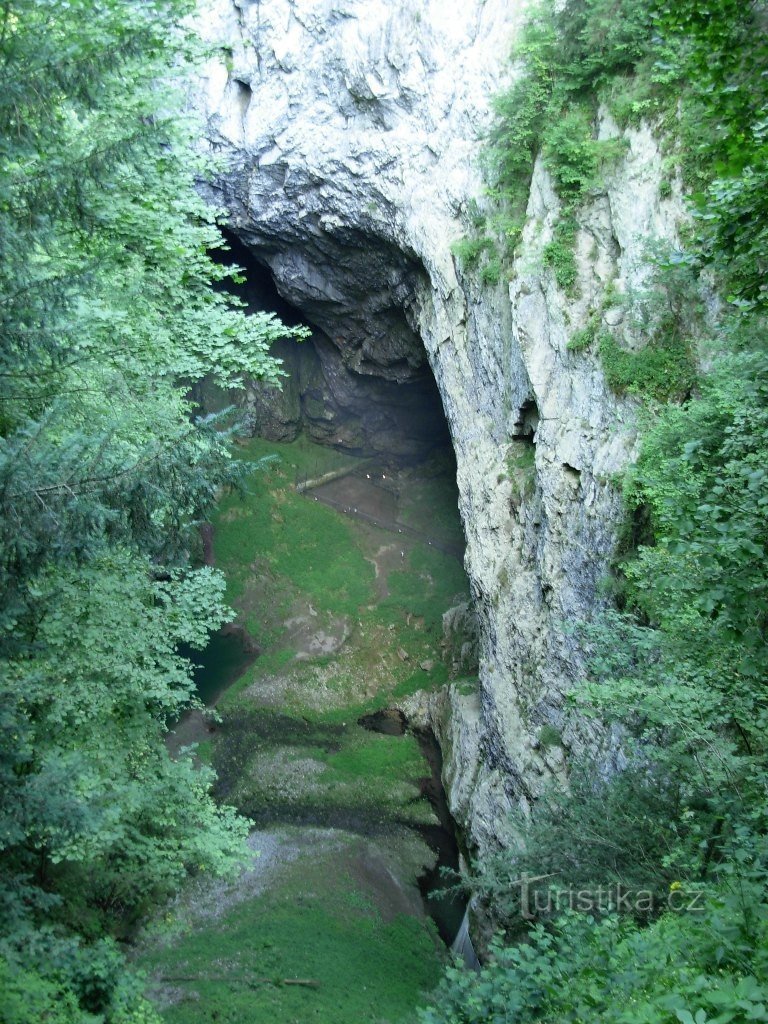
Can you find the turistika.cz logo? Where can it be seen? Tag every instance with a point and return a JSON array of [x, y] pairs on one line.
[[538, 901]]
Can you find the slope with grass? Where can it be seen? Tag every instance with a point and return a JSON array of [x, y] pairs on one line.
[[349, 616]]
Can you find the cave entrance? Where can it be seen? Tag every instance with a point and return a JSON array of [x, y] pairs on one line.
[[388, 413], [340, 391]]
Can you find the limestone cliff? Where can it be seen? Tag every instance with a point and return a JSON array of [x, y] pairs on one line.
[[350, 132]]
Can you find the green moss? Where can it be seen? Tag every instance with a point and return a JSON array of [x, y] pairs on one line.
[[375, 758], [421, 680], [521, 457], [664, 369], [468, 687], [228, 57], [581, 340], [275, 767], [521, 469], [296, 544], [550, 737], [204, 751], [315, 924], [428, 586]]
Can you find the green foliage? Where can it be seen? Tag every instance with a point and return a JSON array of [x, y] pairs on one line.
[[684, 676], [491, 272], [605, 831], [662, 369], [66, 982], [701, 654], [565, 55], [29, 998], [479, 252], [572, 154], [520, 113], [705, 965], [107, 313], [560, 256], [698, 66], [601, 39], [667, 317], [468, 251], [586, 336], [714, 61]]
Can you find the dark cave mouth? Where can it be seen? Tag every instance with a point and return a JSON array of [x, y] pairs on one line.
[[336, 393]]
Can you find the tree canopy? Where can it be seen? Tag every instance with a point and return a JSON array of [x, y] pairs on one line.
[[111, 306]]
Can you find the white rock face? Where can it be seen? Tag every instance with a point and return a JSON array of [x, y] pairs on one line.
[[350, 128]]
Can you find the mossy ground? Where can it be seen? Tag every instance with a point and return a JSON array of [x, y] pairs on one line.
[[319, 920], [375, 602], [349, 617]]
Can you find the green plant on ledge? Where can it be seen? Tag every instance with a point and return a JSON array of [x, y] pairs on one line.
[[479, 254], [549, 736], [662, 370], [560, 256], [468, 251]]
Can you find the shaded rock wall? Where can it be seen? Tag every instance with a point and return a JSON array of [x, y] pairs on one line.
[[386, 412], [350, 128]]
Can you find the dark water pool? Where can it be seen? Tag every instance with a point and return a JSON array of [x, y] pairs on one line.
[[227, 656]]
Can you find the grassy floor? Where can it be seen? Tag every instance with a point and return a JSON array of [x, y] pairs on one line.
[[283, 707], [273, 544], [279, 549], [349, 618], [317, 924]]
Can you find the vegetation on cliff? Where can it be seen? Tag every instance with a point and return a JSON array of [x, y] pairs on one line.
[[645, 899], [107, 313]]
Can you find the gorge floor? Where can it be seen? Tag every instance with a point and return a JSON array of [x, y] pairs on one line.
[[349, 618]]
